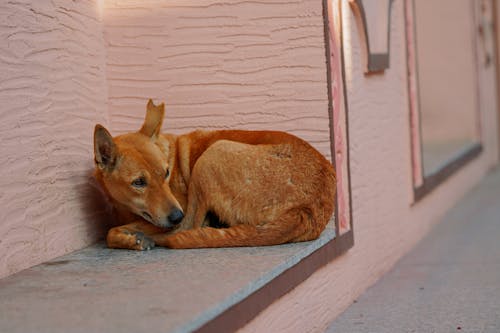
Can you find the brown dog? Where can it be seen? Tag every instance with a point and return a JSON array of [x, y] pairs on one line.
[[261, 187]]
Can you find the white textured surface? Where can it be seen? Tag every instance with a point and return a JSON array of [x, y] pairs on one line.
[[52, 91], [386, 223], [219, 64]]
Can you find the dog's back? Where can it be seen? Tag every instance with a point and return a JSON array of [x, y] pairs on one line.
[[275, 188]]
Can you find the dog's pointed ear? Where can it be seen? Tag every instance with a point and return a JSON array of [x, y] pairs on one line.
[[151, 105], [105, 150], [154, 119]]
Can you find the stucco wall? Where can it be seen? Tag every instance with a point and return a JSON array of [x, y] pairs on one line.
[[52, 91], [386, 223], [219, 64]]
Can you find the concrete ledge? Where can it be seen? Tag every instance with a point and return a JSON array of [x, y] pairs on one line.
[[102, 290]]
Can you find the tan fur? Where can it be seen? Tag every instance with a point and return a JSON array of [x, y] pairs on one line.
[[268, 187]]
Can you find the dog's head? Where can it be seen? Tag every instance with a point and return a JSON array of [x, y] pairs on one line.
[[134, 170]]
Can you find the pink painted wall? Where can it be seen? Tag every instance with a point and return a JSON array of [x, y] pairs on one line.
[[67, 66], [217, 64], [386, 222], [445, 34], [447, 75], [229, 64], [52, 91]]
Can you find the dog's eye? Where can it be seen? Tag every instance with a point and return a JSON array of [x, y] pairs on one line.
[[139, 182], [167, 174]]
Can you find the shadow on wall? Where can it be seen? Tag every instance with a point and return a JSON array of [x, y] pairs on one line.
[[96, 208]]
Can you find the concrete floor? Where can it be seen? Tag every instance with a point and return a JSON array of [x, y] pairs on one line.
[[449, 283]]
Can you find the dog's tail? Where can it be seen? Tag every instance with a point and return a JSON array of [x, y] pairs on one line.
[[297, 224]]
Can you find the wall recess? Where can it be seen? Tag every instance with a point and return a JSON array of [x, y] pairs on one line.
[[374, 22]]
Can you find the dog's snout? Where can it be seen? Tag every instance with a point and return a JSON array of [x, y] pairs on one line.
[[176, 216]]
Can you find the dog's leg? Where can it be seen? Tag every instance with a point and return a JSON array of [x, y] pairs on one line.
[[134, 236], [290, 226], [196, 212]]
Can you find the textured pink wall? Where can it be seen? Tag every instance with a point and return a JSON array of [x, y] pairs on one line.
[[219, 64], [386, 223], [232, 64], [52, 91]]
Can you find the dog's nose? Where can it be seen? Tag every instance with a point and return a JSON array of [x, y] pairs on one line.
[[176, 216]]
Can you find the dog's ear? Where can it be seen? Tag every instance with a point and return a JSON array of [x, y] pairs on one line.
[[105, 150], [154, 119]]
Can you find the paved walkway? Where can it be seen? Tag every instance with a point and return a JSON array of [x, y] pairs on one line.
[[449, 283]]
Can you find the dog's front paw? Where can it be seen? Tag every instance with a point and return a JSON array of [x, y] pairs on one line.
[[120, 238], [142, 242]]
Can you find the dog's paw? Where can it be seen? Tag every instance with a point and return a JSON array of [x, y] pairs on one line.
[[121, 238], [142, 242]]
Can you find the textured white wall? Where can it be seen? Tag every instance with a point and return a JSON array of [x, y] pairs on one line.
[[52, 91]]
